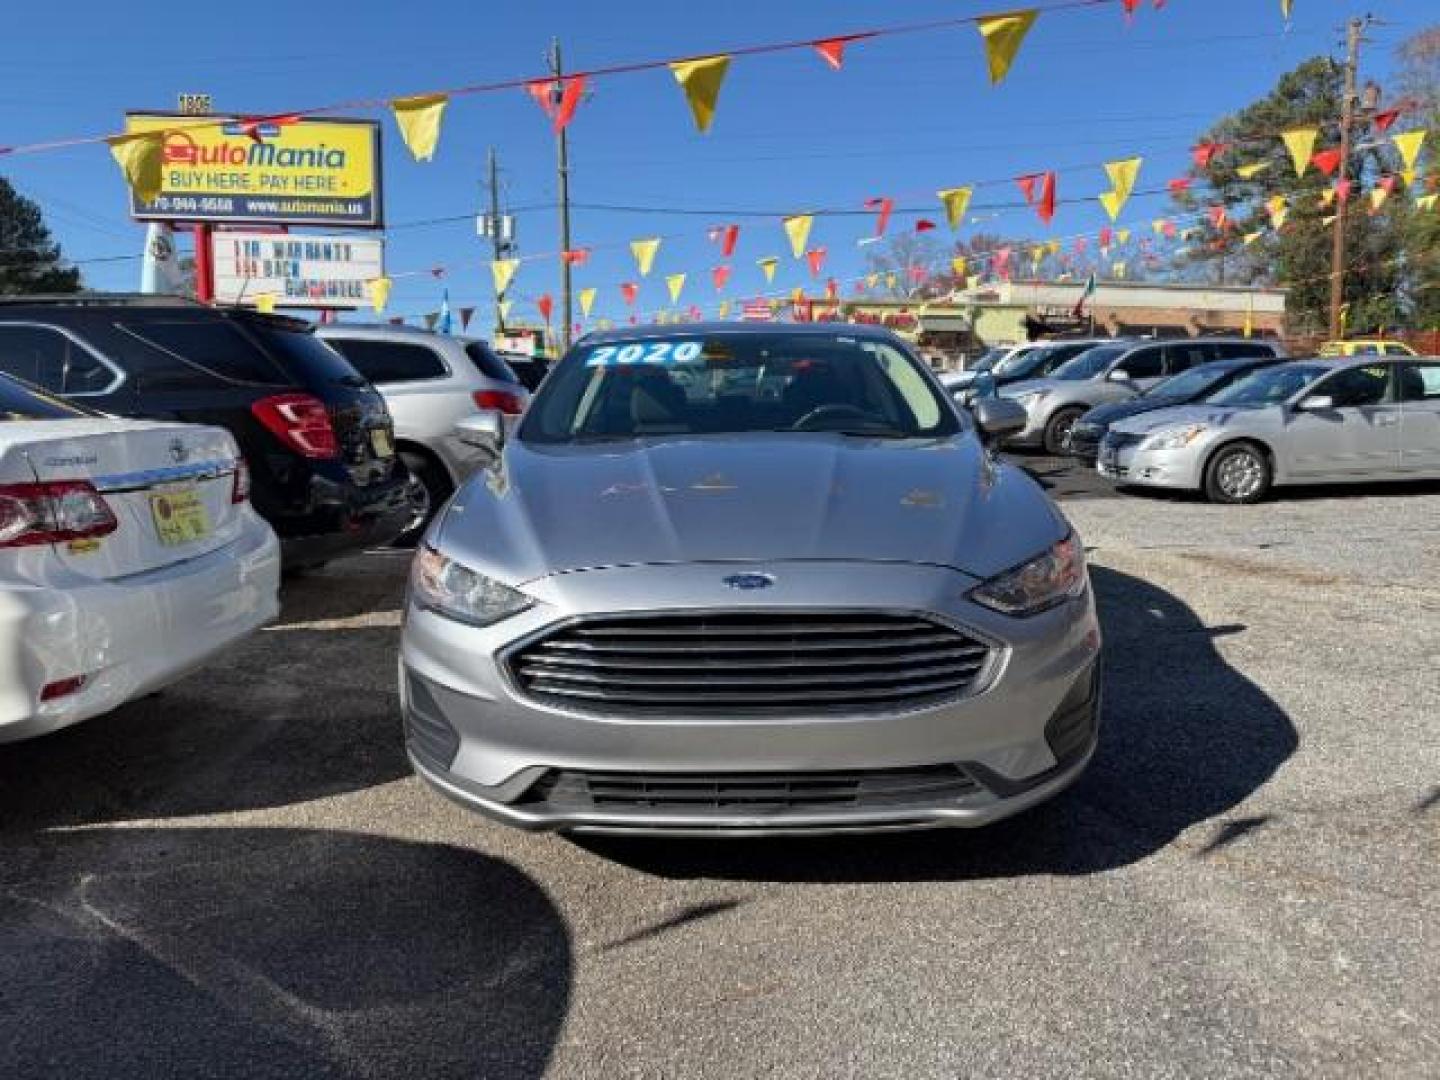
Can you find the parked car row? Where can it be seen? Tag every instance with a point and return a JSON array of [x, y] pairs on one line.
[[1235, 418], [160, 460]]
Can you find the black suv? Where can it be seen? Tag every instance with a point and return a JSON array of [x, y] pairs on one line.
[[317, 436]]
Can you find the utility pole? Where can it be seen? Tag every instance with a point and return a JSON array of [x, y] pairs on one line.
[[562, 157], [1355, 34], [500, 244]]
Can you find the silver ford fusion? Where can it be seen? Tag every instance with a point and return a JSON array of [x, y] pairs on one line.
[[729, 578], [1304, 422]]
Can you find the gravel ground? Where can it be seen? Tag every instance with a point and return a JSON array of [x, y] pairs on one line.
[[240, 878]]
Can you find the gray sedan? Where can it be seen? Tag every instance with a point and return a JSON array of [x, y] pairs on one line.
[[1108, 374], [726, 579], [1305, 422]]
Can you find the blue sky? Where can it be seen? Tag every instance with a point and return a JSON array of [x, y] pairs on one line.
[[906, 115]]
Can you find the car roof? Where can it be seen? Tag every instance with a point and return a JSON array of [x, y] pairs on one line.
[[392, 330], [815, 329], [44, 307]]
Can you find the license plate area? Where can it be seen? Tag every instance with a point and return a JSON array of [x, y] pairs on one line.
[[382, 443], [179, 515]]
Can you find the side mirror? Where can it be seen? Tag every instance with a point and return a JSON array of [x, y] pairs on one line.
[[998, 418], [1119, 375], [1315, 403], [484, 430]]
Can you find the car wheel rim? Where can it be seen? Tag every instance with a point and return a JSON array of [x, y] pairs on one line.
[[1065, 431], [1240, 475], [420, 505]]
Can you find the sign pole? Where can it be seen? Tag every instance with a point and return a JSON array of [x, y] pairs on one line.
[[204, 263]]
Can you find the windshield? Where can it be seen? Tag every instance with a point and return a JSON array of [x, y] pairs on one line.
[[1270, 386], [724, 383], [1089, 363], [1190, 384], [1019, 361]]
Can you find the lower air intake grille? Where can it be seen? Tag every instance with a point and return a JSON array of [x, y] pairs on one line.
[[747, 662], [720, 793]]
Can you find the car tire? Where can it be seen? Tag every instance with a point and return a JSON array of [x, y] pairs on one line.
[[432, 489], [1058, 428], [1239, 473]]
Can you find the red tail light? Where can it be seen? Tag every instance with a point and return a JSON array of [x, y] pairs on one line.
[[240, 490], [499, 400], [62, 688], [301, 422], [53, 513]]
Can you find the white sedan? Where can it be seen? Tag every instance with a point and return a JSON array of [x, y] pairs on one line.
[[129, 556]]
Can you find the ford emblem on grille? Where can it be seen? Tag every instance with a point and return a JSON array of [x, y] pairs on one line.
[[749, 581], [178, 451]]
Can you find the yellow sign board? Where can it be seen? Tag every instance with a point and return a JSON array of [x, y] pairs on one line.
[[283, 170]]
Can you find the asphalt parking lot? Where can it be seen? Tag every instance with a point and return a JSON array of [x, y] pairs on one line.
[[240, 878]]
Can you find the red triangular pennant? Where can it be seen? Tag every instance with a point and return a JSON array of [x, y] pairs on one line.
[[1179, 184], [1027, 187], [574, 89], [466, 314], [1342, 190], [883, 206], [924, 225], [720, 275], [1327, 161], [1046, 206], [546, 304], [1204, 153], [832, 51], [816, 258], [629, 290], [1384, 121]]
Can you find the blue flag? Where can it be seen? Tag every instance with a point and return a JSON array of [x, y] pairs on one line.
[[443, 323]]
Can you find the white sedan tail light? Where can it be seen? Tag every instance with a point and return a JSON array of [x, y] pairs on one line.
[[51, 513]]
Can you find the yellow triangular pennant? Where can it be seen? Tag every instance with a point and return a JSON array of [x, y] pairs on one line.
[[1286, 6], [958, 265], [1118, 270], [871, 280], [1301, 144], [675, 282], [1327, 197], [1377, 197], [701, 79], [1052, 246], [265, 302], [1249, 172], [1328, 221], [724, 309], [1427, 202], [1123, 175], [505, 306], [503, 271], [1408, 175], [419, 122], [1112, 201], [797, 228], [1250, 238], [956, 201], [379, 292], [644, 252], [768, 265], [1003, 35], [140, 156], [890, 281], [1409, 143], [1123, 235], [587, 301]]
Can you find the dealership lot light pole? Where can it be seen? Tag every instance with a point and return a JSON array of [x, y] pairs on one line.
[[562, 152]]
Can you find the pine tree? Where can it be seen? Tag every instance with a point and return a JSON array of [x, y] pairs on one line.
[[30, 260]]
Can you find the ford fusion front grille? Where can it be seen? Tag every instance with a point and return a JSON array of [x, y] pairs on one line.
[[718, 793], [754, 661]]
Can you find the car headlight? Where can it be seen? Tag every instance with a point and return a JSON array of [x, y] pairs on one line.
[[1174, 438], [452, 589], [1042, 583]]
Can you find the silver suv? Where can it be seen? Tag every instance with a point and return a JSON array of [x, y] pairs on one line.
[[429, 381], [1113, 373]]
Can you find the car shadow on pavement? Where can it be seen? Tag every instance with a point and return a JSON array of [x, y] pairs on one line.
[[1185, 737], [257, 953]]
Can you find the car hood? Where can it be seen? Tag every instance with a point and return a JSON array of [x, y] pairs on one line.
[[1213, 415], [1105, 415], [747, 498]]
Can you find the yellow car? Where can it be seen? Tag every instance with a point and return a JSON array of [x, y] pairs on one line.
[[1366, 347]]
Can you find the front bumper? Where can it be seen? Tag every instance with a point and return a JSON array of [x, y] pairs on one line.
[[128, 637], [1023, 736], [1179, 469]]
